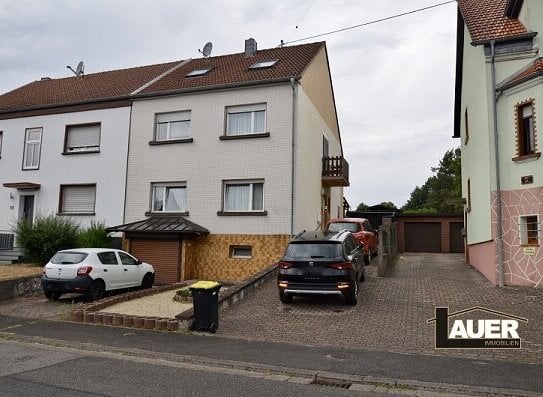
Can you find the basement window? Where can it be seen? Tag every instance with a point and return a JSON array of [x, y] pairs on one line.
[[529, 230], [241, 251]]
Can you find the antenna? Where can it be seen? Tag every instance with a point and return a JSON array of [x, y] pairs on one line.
[[79, 70], [207, 49]]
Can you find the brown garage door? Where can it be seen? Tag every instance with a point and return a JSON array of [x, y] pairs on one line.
[[422, 237], [163, 255], [455, 233]]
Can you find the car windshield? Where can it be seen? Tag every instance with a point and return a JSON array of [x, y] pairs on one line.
[[314, 251], [68, 258], [338, 226]]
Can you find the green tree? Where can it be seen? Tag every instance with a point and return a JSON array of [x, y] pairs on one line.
[[361, 207], [389, 204]]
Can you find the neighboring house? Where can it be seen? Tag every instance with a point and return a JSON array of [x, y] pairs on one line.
[[229, 157], [499, 89], [63, 148]]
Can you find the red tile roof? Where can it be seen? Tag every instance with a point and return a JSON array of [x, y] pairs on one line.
[[88, 88], [486, 20], [532, 70], [232, 70]]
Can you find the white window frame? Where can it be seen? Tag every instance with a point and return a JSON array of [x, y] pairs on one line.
[[523, 229], [263, 64], [251, 183], [166, 186], [252, 109], [85, 211], [234, 255], [169, 118], [81, 148], [35, 160]]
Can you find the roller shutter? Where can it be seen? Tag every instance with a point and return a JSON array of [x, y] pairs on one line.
[[163, 255], [422, 237]]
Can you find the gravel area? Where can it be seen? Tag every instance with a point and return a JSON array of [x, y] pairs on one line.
[[157, 305]]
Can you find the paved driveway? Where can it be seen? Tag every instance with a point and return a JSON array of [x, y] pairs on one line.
[[392, 312]]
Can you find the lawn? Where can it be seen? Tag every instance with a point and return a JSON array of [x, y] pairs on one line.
[[8, 272]]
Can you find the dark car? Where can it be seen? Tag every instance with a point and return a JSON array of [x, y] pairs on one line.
[[362, 231], [330, 263]]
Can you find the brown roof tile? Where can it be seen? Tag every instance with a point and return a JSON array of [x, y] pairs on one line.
[[232, 70], [530, 71], [486, 20], [88, 88]]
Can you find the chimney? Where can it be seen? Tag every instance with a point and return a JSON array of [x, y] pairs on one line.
[[250, 47]]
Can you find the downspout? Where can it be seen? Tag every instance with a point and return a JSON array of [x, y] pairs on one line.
[[294, 86], [499, 238]]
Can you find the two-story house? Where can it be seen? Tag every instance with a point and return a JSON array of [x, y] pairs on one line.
[[63, 148], [229, 157], [499, 89]]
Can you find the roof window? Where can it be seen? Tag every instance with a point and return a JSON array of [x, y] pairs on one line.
[[263, 64], [198, 72]]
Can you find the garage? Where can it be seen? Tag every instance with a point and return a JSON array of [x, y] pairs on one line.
[[422, 237], [456, 238], [165, 256]]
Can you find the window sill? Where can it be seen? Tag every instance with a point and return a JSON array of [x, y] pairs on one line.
[[163, 213], [244, 136], [76, 213], [532, 156], [80, 152], [171, 141], [242, 213]]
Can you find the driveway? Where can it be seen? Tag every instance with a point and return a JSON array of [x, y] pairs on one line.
[[392, 312]]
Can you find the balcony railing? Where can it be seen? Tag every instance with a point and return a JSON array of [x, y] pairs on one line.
[[335, 171]]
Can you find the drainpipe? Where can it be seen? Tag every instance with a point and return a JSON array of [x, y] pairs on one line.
[[293, 84], [499, 238]]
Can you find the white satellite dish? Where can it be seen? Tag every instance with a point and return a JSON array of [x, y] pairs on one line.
[[79, 70], [207, 49]]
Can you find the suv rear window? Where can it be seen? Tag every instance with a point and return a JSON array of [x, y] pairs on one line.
[[68, 258], [314, 251], [338, 226]]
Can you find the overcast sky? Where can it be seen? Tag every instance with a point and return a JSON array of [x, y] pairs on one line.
[[393, 81]]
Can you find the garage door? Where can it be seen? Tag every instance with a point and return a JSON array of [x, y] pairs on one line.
[[422, 237], [163, 255], [455, 233]]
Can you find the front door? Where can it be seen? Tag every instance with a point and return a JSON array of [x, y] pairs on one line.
[[28, 208]]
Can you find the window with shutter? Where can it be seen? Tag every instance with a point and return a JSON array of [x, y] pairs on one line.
[[77, 199], [246, 120], [82, 138], [172, 126]]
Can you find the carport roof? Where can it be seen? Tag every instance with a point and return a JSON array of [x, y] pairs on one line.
[[161, 224]]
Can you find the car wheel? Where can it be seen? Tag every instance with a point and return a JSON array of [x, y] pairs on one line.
[[352, 298], [51, 295], [284, 297], [95, 291], [148, 281], [367, 259], [363, 276]]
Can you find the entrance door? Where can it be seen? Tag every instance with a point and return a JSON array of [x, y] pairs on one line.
[[28, 208]]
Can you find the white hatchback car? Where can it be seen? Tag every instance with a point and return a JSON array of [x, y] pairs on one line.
[[93, 271]]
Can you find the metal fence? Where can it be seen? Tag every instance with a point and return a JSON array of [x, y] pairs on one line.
[[388, 246]]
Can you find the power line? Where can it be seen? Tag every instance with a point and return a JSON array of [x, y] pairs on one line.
[[369, 23]]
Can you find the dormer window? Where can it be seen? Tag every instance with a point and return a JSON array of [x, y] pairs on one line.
[[198, 72], [263, 64]]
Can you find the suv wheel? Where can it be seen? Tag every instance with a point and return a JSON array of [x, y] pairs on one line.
[[352, 298], [367, 259], [284, 297]]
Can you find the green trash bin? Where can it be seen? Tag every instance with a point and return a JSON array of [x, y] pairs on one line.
[[205, 300]]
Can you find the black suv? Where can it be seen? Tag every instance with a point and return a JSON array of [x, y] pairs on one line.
[[330, 263]]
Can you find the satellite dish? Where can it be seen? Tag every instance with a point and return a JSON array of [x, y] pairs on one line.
[[79, 70], [207, 49]]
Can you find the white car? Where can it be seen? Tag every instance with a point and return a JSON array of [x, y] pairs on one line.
[[93, 271]]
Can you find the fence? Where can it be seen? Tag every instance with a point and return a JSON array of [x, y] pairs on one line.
[[388, 246]]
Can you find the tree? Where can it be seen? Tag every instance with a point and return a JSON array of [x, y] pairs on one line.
[[388, 204], [361, 207], [442, 192]]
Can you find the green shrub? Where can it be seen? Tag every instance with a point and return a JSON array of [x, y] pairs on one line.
[[41, 239], [95, 236], [183, 292]]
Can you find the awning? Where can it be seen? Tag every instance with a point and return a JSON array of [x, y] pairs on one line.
[[161, 224], [23, 185]]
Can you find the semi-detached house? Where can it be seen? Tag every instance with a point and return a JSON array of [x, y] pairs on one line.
[[228, 157]]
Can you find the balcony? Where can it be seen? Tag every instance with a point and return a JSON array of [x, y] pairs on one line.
[[335, 171]]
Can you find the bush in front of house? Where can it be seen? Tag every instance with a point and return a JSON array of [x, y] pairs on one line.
[[40, 239], [95, 236]]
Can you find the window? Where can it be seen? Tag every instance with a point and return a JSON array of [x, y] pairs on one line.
[[263, 64], [529, 230], [107, 258], [466, 127], [198, 72], [1, 140], [127, 259], [243, 252], [243, 196], [169, 198], [325, 147], [525, 129], [468, 209], [246, 120], [77, 199], [172, 126], [82, 138], [31, 156]]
